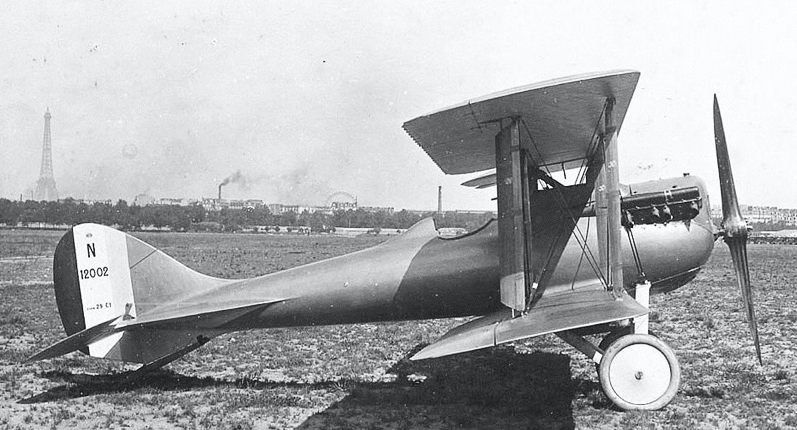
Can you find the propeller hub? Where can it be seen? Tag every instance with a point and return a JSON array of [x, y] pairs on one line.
[[735, 228]]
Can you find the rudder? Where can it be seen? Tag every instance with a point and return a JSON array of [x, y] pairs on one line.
[[100, 274], [92, 281]]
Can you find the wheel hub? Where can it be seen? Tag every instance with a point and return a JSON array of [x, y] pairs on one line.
[[627, 371]]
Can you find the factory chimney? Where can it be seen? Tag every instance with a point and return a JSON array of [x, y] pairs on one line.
[[440, 200], [220, 185]]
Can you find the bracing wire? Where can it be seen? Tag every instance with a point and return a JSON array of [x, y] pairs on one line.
[[580, 261], [562, 201], [593, 147], [635, 252]]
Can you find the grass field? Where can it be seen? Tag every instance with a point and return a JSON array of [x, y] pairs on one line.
[[359, 376]]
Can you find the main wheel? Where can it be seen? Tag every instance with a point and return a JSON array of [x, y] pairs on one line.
[[639, 372], [613, 336]]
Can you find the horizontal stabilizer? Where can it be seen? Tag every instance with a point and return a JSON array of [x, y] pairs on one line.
[[564, 311], [77, 341], [204, 314]]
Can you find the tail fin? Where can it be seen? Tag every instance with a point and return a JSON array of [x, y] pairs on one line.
[[105, 276], [92, 281]]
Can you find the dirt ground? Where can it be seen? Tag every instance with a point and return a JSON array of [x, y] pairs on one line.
[[353, 377]]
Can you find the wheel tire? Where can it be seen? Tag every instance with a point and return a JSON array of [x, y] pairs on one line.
[[639, 372], [609, 339], [613, 336]]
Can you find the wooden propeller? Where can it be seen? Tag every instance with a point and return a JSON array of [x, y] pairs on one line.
[[734, 227]]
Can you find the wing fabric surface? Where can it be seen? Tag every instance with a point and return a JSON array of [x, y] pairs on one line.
[[560, 312], [561, 119]]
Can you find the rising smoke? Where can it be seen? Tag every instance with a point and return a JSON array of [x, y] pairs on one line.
[[298, 186], [236, 178]]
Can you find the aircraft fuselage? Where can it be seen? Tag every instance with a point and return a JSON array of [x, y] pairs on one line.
[[419, 275]]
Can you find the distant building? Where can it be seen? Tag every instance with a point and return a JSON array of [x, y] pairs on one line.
[[143, 200], [279, 209], [275, 208], [343, 206], [171, 202], [762, 214], [254, 204], [210, 204], [459, 211], [213, 204], [146, 200], [376, 209], [90, 201]]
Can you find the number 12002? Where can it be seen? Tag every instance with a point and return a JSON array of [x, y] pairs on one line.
[[94, 273]]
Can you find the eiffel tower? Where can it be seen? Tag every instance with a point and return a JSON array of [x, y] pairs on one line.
[[45, 186]]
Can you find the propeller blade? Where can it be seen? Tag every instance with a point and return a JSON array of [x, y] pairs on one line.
[[734, 226]]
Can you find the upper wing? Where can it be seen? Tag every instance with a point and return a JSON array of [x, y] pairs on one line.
[[561, 117]]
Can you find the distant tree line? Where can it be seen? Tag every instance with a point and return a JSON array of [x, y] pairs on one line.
[[196, 218]]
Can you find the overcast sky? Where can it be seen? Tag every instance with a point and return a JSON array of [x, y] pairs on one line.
[[308, 98]]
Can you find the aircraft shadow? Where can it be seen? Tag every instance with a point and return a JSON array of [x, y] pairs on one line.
[[75, 385], [493, 388]]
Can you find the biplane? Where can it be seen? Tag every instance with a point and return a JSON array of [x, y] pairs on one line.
[[573, 252]]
